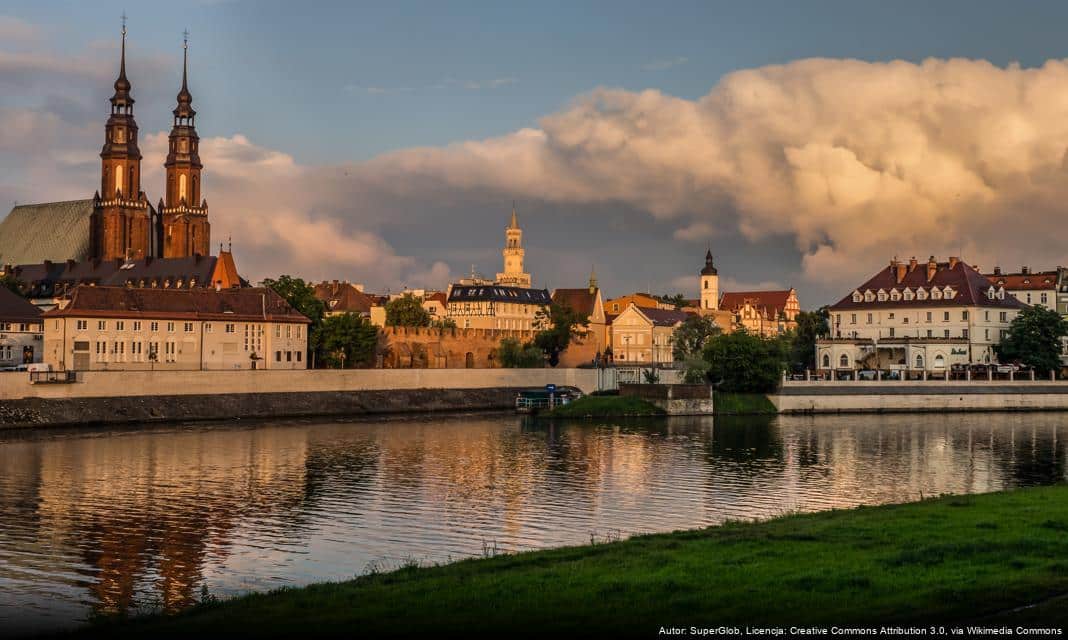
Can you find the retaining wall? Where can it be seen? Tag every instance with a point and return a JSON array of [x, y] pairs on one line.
[[868, 397]]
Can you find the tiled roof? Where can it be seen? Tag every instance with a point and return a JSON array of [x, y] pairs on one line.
[[969, 285], [582, 301], [50, 279], [770, 302], [343, 297], [663, 317], [245, 305], [15, 308], [437, 296], [1041, 280], [498, 293], [57, 231]]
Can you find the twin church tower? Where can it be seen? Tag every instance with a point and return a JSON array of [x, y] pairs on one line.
[[124, 224]]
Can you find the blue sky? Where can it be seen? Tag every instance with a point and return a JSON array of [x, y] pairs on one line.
[[334, 85]]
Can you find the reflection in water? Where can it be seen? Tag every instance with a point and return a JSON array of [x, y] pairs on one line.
[[111, 521]]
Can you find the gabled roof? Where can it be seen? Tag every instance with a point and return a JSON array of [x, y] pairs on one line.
[[437, 296], [498, 293], [658, 317], [343, 297], [56, 231], [970, 287], [1042, 280], [582, 301], [771, 303], [50, 279], [242, 305], [15, 308]]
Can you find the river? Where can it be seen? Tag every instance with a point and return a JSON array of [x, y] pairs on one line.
[[98, 521]]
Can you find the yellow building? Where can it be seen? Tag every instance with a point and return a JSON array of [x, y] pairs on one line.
[[616, 306], [513, 253], [763, 313], [109, 328], [642, 335]]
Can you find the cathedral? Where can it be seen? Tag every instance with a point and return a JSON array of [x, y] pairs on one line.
[[119, 222]]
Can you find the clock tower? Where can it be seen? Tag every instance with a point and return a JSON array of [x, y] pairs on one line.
[[120, 223], [184, 212]]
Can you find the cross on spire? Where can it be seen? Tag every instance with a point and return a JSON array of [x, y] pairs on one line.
[[124, 22]]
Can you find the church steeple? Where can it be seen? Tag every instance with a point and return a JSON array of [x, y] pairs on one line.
[[513, 273], [184, 213], [120, 224]]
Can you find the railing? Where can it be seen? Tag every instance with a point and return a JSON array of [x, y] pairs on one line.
[[53, 377], [530, 404]]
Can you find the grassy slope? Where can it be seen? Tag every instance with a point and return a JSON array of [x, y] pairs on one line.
[[605, 407], [944, 560], [743, 403]]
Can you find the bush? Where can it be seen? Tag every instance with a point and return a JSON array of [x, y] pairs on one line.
[[513, 355], [743, 363]]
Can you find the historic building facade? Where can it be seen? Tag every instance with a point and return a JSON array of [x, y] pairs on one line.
[[587, 302], [120, 328], [641, 335], [20, 330], [913, 319], [119, 222], [513, 274]]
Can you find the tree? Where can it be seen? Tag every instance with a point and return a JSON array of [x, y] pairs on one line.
[[443, 323], [560, 324], [514, 355], [11, 282], [689, 339], [678, 300], [744, 363], [407, 311], [301, 296], [348, 341], [811, 325], [1034, 339]]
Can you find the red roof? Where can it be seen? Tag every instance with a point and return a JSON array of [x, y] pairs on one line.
[[1024, 281], [970, 287], [15, 308], [582, 301], [343, 297], [771, 302], [245, 305]]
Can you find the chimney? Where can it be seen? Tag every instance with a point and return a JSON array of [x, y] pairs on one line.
[[901, 271], [912, 264], [932, 268], [953, 260], [997, 271], [1025, 270]]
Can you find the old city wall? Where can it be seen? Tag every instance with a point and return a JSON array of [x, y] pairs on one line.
[[428, 348]]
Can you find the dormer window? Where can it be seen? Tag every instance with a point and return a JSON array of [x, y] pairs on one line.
[[895, 295], [921, 294], [909, 295], [881, 295], [857, 297], [869, 296], [1001, 293], [936, 294], [990, 293], [948, 293]]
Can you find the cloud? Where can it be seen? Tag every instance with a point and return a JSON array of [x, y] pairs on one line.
[[494, 83], [663, 65]]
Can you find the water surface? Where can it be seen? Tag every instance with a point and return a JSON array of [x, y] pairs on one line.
[[101, 521]]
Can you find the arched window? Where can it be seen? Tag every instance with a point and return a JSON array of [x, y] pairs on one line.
[[940, 362], [826, 361], [843, 362], [118, 179], [919, 361], [181, 187], [706, 284]]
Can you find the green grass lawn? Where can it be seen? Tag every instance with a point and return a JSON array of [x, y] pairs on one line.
[[742, 403], [605, 407], [942, 561]]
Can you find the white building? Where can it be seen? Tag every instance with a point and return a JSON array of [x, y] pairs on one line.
[[117, 328], [20, 330], [1029, 287], [913, 318]]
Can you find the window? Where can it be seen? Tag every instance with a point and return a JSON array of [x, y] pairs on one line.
[[891, 332], [964, 333], [1004, 317], [930, 334], [153, 327], [869, 318], [137, 325], [82, 325], [289, 331], [229, 328], [986, 334], [891, 315], [1043, 298], [277, 356], [300, 330], [947, 333], [826, 361], [298, 355], [101, 325], [919, 361], [986, 316], [188, 327], [853, 318], [928, 316], [170, 327], [207, 327], [278, 331], [940, 362], [1028, 297], [120, 325], [945, 316], [964, 315]]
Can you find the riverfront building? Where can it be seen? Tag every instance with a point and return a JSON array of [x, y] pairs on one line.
[[641, 335], [20, 330], [916, 319], [119, 328]]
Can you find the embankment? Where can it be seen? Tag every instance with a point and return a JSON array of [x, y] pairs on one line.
[[947, 561], [117, 397], [918, 397]]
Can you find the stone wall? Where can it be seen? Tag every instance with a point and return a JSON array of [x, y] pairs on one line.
[[428, 348], [869, 397]]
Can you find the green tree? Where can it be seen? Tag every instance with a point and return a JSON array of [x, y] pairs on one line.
[[301, 296], [678, 300], [811, 325], [11, 282], [407, 311], [560, 324], [443, 323], [1034, 339], [744, 363], [348, 341], [514, 355], [689, 339]]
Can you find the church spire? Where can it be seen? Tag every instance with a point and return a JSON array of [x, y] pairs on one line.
[[514, 224], [593, 279], [122, 100], [184, 110]]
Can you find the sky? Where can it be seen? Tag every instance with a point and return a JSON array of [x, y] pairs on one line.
[[806, 144]]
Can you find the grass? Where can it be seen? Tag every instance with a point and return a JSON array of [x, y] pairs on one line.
[[605, 407], [945, 561], [743, 404]]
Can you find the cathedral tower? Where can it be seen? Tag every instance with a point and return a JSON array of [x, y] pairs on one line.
[[184, 213], [709, 285], [513, 274], [120, 224]]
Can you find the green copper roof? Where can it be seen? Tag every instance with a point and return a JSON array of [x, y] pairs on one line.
[[56, 231]]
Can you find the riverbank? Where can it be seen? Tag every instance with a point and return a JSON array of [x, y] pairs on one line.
[[605, 407], [944, 561]]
